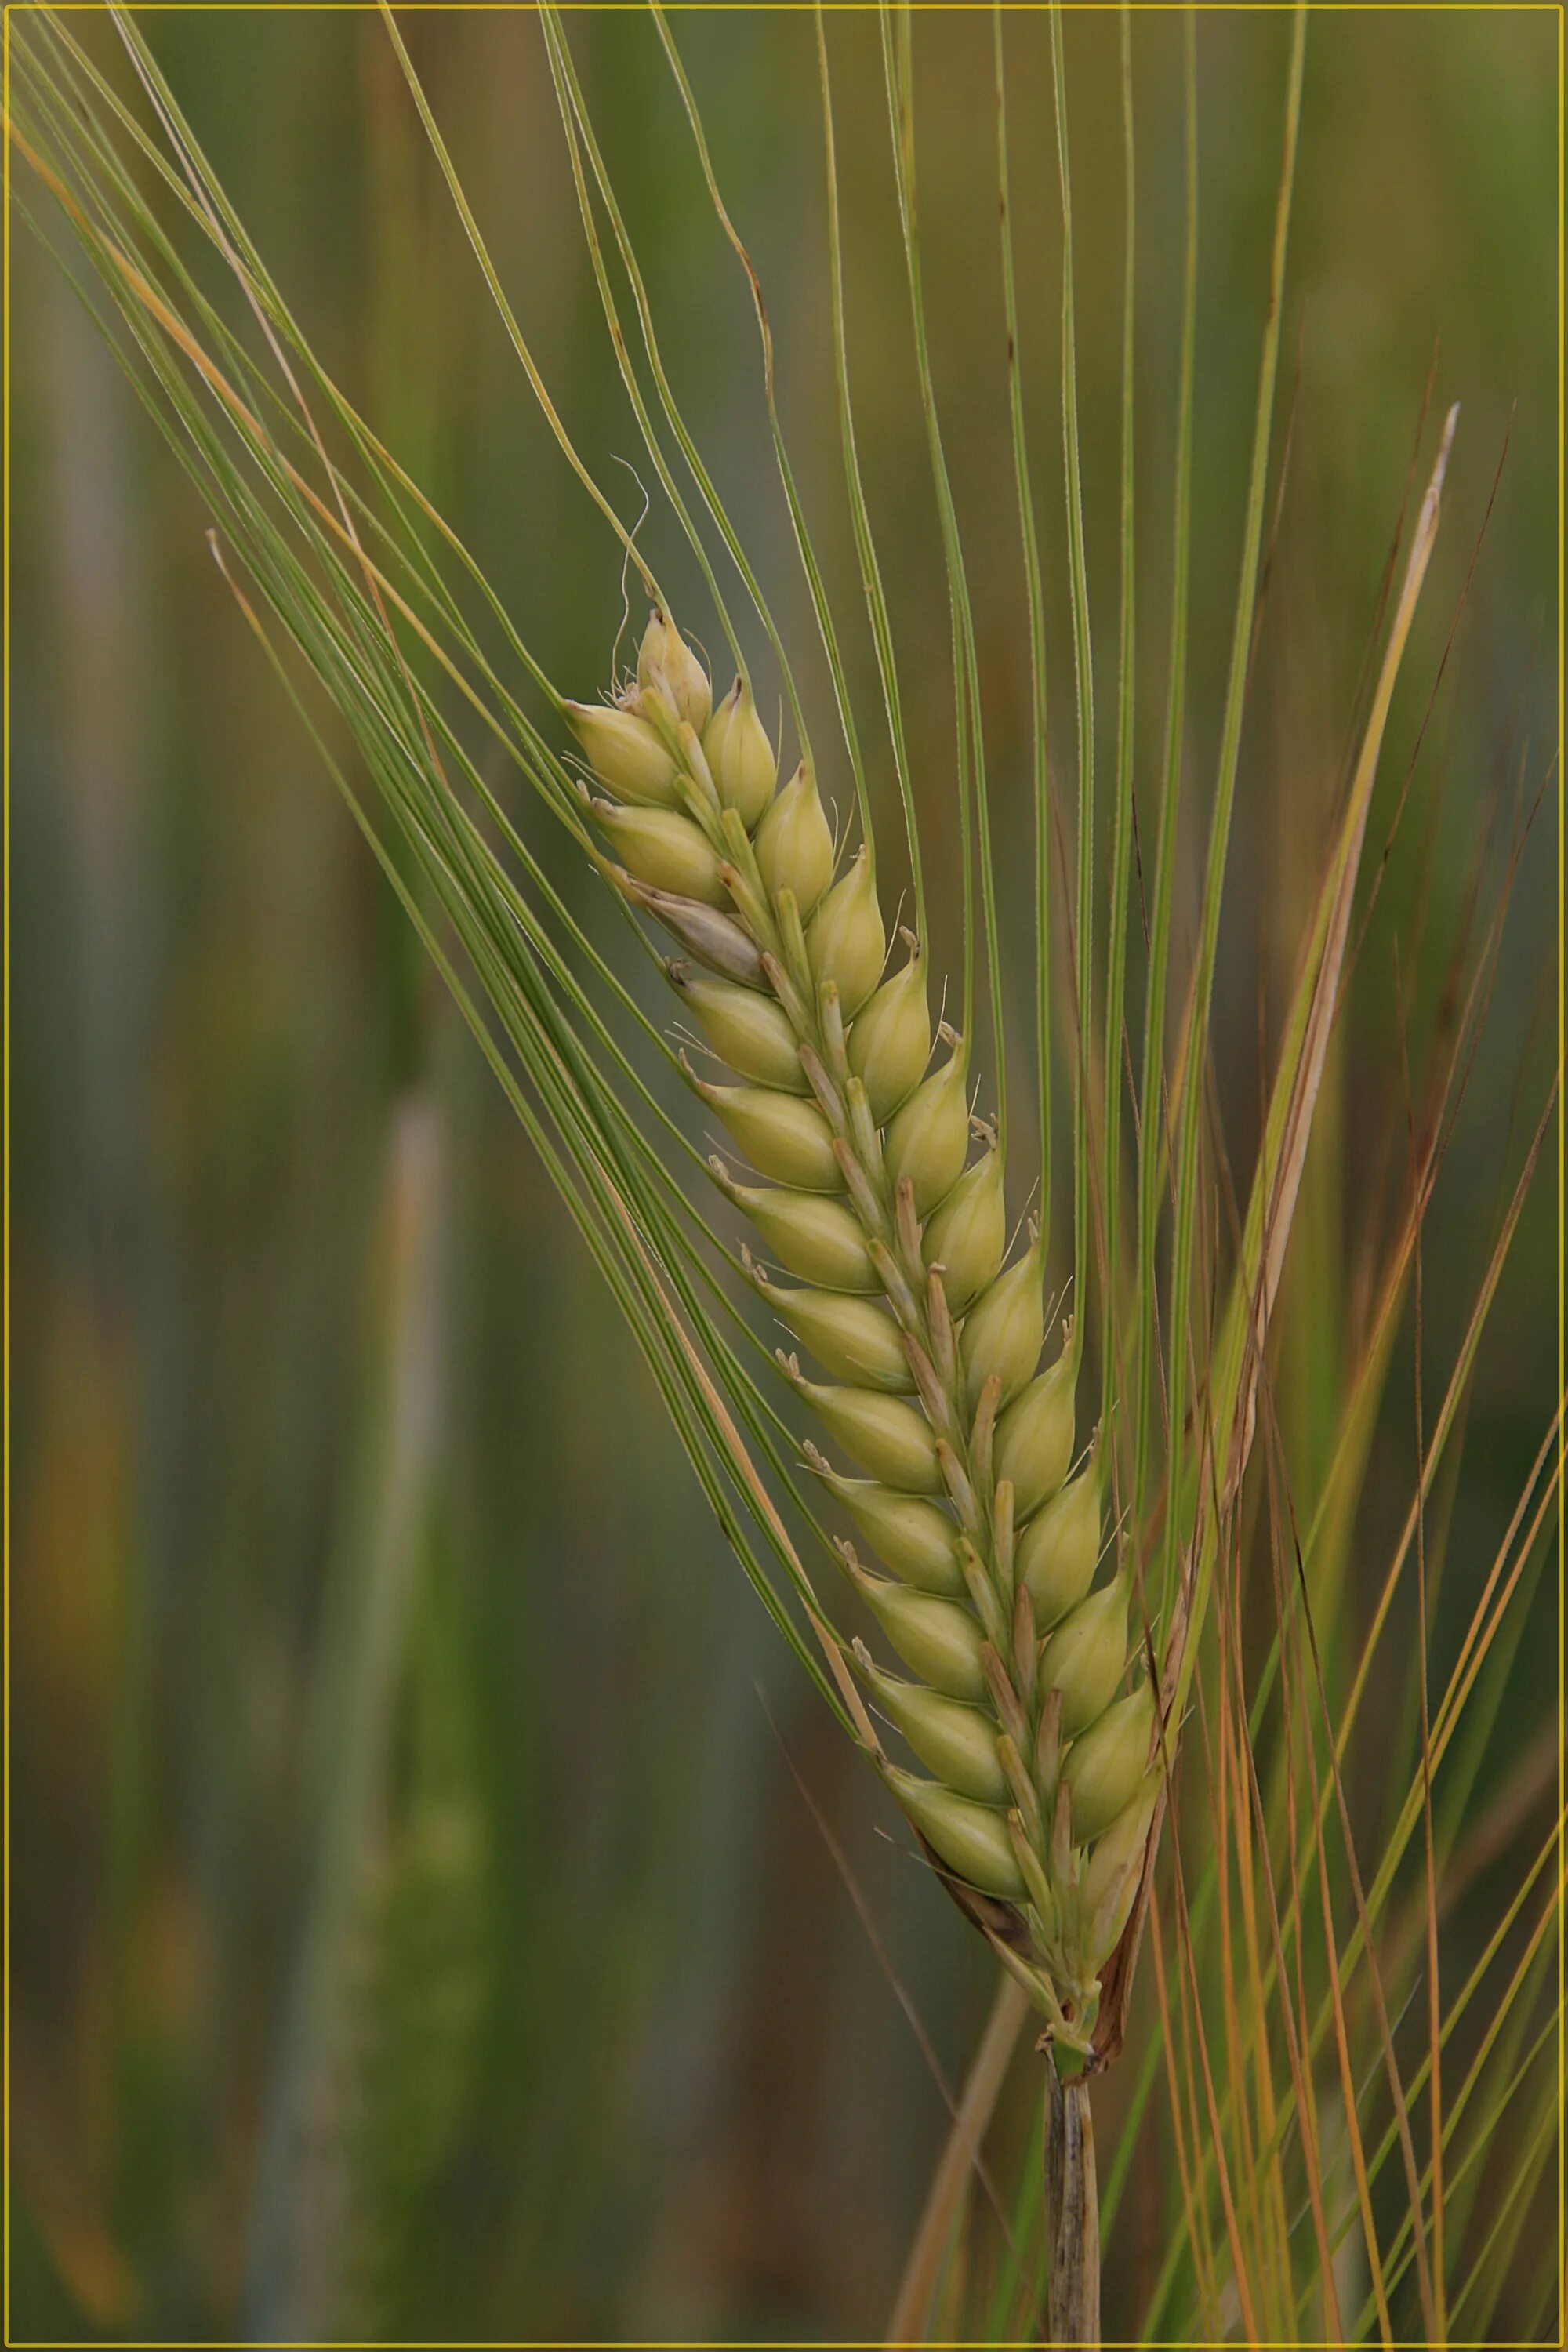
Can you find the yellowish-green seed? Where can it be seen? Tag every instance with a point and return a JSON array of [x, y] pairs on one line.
[[1034, 1435], [938, 1641], [852, 1339], [1058, 1551], [847, 941], [915, 1539], [967, 1236], [624, 753], [748, 1030], [663, 848], [739, 756], [717, 939], [889, 1044], [793, 845], [929, 1138], [667, 665], [1104, 1932], [892, 1441], [971, 1839], [813, 1235], [1120, 1850], [1085, 1657], [1004, 1331], [955, 1741], [783, 1139], [1105, 1768]]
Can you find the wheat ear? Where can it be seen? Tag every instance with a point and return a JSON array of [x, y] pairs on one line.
[[1043, 1777]]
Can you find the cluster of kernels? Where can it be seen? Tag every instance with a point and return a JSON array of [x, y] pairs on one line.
[[1044, 1777]]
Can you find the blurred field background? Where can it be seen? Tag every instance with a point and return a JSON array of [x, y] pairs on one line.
[[425, 1921]]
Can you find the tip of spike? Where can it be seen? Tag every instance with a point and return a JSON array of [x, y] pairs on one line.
[[856, 1570]]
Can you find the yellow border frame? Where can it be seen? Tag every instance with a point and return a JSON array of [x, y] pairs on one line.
[[355, 7]]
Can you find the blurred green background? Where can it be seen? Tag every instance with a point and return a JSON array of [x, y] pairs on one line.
[[420, 1923]]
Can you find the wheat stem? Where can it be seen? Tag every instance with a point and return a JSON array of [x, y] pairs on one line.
[[1072, 2214]]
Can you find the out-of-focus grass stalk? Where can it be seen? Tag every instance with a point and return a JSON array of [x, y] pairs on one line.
[[296, 2226]]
